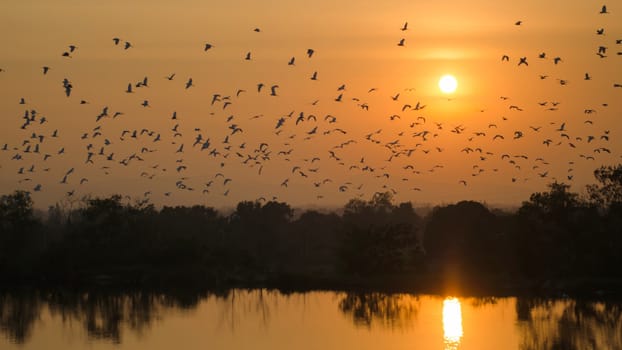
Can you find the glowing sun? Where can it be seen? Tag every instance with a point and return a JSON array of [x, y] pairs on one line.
[[448, 83]]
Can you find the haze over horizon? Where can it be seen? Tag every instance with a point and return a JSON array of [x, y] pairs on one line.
[[173, 110]]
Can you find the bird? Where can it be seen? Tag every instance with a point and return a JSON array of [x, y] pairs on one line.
[[517, 23], [67, 87], [404, 27], [401, 42], [310, 52], [189, 83], [603, 10], [116, 41], [523, 60], [248, 56], [314, 76], [273, 90], [292, 61], [45, 69], [207, 46], [127, 45], [170, 77]]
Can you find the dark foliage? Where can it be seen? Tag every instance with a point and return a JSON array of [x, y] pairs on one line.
[[557, 238]]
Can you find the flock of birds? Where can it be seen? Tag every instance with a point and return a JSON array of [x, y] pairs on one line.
[[300, 144]]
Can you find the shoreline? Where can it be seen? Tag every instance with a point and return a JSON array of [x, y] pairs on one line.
[[593, 288]]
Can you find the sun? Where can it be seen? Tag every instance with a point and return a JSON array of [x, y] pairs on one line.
[[448, 83]]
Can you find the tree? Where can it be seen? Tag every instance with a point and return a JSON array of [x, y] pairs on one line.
[[464, 238], [555, 203], [379, 236], [608, 191], [18, 229], [15, 209], [560, 236]]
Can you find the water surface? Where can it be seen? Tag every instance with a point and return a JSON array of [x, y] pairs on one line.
[[262, 319]]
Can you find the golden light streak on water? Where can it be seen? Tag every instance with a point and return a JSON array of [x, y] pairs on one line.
[[452, 323]]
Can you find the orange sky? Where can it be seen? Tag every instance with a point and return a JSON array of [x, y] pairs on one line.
[[354, 43]]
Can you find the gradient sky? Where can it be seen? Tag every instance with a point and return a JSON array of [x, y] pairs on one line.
[[354, 43]]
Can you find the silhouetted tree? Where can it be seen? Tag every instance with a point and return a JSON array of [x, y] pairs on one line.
[[378, 236], [465, 239], [19, 235], [607, 192], [259, 230], [314, 241], [561, 236]]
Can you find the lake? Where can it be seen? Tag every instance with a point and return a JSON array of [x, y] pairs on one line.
[[266, 319]]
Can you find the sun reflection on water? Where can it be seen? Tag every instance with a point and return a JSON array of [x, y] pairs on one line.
[[452, 323]]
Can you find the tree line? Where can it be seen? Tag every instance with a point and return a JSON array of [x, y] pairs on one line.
[[557, 238]]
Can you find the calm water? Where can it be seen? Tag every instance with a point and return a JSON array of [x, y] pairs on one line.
[[260, 319]]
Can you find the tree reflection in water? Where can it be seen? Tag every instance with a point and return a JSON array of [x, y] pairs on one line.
[[569, 324], [18, 313], [102, 314], [106, 315], [395, 311]]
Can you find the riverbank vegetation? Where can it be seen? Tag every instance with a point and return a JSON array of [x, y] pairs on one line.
[[558, 240]]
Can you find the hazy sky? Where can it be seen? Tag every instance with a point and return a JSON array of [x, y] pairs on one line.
[[489, 134]]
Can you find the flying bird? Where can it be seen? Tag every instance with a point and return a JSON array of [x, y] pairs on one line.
[[67, 85]]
